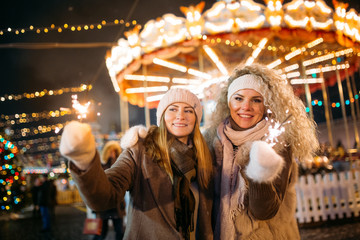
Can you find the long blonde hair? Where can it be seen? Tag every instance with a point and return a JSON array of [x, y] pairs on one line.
[[280, 99], [159, 140]]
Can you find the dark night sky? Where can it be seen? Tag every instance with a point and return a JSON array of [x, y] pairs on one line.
[[30, 70]]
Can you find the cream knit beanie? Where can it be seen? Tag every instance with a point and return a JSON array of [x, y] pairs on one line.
[[247, 81], [179, 95]]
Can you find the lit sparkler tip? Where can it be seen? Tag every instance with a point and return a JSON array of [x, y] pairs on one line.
[[58, 129], [81, 110], [275, 130]]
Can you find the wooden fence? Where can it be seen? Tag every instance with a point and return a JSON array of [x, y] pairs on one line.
[[328, 196], [319, 198]]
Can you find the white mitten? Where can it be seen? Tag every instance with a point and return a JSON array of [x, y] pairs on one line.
[[265, 164], [78, 144], [132, 135]]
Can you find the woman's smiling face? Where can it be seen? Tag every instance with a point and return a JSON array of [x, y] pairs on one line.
[[246, 108], [180, 120]]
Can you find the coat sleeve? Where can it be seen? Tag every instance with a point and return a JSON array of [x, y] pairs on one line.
[[102, 190], [265, 198]]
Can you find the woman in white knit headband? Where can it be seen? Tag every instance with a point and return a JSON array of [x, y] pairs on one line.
[[167, 172], [255, 180]]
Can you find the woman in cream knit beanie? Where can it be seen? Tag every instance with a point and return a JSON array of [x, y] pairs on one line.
[[168, 173], [179, 95]]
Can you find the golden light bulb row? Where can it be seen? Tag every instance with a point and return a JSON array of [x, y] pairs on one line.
[[73, 28], [31, 117], [45, 92], [31, 131]]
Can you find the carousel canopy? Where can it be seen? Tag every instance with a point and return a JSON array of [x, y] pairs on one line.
[[305, 41]]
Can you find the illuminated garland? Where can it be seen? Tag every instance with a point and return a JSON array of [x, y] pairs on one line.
[[45, 92], [32, 117], [40, 144], [26, 132], [59, 29], [12, 182], [43, 170], [8, 146], [335, 104], [38, 140]]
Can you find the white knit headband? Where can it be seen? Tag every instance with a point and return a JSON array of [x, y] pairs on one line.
[[248, 81]]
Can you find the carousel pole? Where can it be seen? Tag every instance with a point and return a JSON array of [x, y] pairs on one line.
[[342, 102], [327, 109], [307, 90], [124, 114], [353, 115], [146, 105], [355, 92], [201, 68]]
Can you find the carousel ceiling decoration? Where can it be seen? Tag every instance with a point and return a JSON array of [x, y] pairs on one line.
[[305, 41]]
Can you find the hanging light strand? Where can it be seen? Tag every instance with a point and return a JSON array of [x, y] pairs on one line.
[[21, 118], [45, 92], [73, 28]]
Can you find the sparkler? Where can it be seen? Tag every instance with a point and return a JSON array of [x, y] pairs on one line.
[[275, 129], [80, 109]]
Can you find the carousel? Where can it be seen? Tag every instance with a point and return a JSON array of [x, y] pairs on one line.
[[312, 45]]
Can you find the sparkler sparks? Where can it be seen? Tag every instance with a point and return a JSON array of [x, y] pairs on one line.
[[275, 130], [80, 109]]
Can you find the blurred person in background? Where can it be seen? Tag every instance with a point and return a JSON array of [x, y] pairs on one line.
[[35, 197], [44, 201], [110, 153]]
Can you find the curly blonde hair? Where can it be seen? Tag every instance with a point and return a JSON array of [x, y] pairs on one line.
[[280, 99]]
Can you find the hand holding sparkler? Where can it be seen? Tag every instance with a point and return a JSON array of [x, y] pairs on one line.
[[265, 163]]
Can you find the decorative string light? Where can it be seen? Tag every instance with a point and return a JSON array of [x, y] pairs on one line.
[[326, 69], [319, 103], [43, 170], [7, 145], [21, 118], [328, 56], [63, 27], [45, 92], [38, 140], [31, 131], [40, 147]]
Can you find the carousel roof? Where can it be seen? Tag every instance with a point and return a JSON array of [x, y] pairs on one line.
[[305, 41]]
